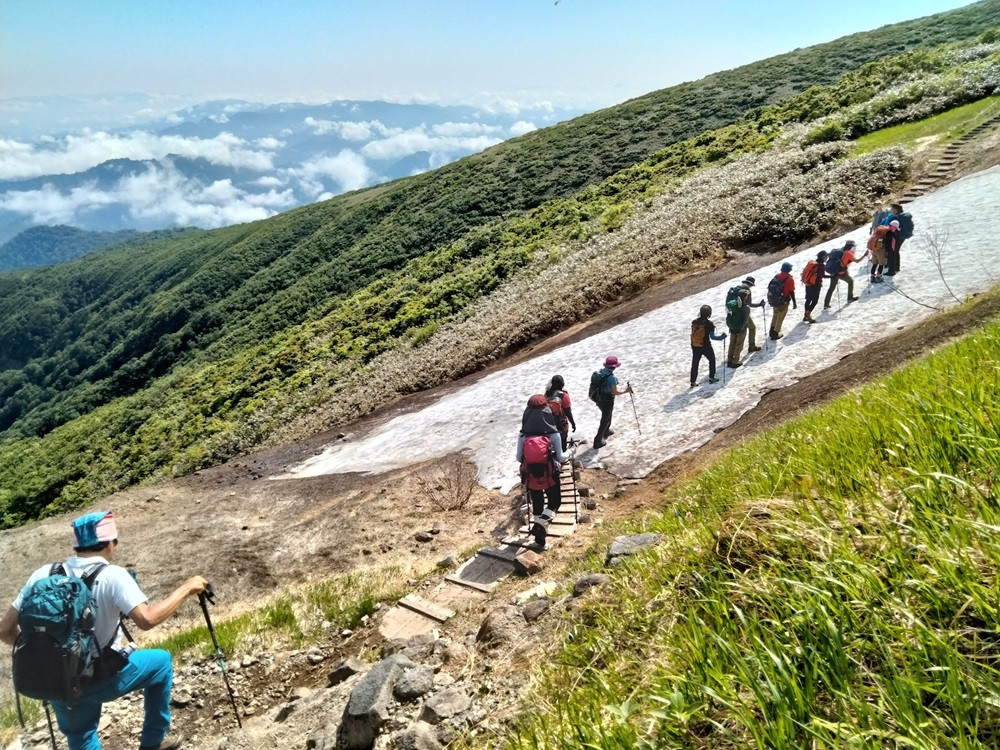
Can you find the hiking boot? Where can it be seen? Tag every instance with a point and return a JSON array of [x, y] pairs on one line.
[[598, 444], [775, 336], [713, 380], [808, 319], [853, 299], [693, 384], [537, 531], [734, 365], [753, 348], [610, 433], [168, 743], [826, 307]]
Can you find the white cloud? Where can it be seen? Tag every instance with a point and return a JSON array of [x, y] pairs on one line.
[[458, 129], [521, 127], [159, 196], [269, 181], [269, 143], [76, 153], [349, 130], [348, 169], [414, 141]]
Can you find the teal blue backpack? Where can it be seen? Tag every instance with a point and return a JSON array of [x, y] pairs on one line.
[[57, 653]]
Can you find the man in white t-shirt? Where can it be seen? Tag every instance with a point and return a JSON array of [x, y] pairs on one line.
[[114, 593]]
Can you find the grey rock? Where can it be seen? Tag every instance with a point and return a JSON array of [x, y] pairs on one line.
[[424, 536], [628, 545], [368, 705], [447, 704], [447, 562], [588, 582], [414, 683], [501, 626], [180, 699], [344, 669], [536, 608], [419, 736], [455, 653]]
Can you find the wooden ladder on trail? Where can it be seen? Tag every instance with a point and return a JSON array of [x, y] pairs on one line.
[[475, 580]]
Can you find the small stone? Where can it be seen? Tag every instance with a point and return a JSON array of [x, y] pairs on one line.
[[502, 625], [589, 503], [344, 669], [536, 608], [455, 653], [584, 518], [424, 536], [588, 582], [450, 702], [419, 736], [527, 563], [623, 546], [447, 562], [299, 693], [414, 683], [180, 699]]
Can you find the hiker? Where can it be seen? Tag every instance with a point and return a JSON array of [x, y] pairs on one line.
[[880, 218], [879, 244], [604, 388], [561, 407], [812, 279], [781, 291], [115, 595], [739, 300], [702, 335], [838, 267], [904, 225], [540, 452]]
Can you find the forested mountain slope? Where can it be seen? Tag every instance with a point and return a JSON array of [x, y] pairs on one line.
[[218, 337]]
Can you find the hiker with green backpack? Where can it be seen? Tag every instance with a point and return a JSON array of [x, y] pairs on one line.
[[702, 335], [77, 607], [739, 300], [603, 389]]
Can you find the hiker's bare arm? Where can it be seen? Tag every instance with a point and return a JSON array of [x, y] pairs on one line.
[[8, 627], [147, 616], [621, 391]]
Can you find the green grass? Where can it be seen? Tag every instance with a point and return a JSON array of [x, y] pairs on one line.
[[945, 127], [295, 617], [830, 583]]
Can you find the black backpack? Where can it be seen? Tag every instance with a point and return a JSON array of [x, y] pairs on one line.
[[57, 654], [834, 262], [775, 292], [596, 390], [905, 225]]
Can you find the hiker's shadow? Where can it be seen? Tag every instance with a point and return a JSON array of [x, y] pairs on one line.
[[688, 397]]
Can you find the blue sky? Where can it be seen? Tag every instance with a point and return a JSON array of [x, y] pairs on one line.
[[585, 52]]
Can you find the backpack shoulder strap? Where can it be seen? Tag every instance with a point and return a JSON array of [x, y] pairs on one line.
[[91, 574], [57, 569]]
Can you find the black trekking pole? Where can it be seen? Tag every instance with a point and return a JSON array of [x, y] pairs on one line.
[[205, 598], [725, 361], [767, 334], [634, 412]]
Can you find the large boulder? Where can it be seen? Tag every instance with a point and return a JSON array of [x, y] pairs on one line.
[[368, 705]]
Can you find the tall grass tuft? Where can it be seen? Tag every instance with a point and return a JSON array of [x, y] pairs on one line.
[[830, 583]]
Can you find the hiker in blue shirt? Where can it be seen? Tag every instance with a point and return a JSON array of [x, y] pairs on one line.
[[609, 389], [115, 593]]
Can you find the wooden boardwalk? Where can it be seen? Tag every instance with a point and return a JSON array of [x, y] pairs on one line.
[[475, 579]]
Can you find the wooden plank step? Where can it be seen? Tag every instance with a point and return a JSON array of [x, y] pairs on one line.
[[553, 532], [400, 622], [496, 554], [426, 608], [486, 588]]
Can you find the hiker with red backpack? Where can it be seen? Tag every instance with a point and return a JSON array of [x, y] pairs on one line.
[[603, 389], [781, 291], [562, 408], [702, 335], [540, 452], [107, 595], [812, 279], [838, 264], [881, 237]]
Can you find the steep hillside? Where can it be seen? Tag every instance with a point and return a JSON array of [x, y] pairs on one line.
[[199, 348]]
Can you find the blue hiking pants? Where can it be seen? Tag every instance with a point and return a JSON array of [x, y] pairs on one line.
[[149, 670]]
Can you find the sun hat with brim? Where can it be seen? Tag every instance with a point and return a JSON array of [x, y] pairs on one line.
[[611, 362], [94, 528]]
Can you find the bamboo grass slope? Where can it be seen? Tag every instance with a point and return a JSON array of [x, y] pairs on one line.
[[831, 583], [166, 356]]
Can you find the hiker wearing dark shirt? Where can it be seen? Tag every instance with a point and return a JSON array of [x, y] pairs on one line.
[[812, 279], [741, 323], [782, 293], [702, 335], [841, 259], [904, 225], [540, 474]]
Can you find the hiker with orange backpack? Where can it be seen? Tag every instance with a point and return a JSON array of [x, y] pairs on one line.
[[540, 453], [880, 237], [702, 335], [562, 408], [838, 266], [781, 291], [812, 279]]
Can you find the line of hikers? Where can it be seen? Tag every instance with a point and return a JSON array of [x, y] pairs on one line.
[[543, 443]]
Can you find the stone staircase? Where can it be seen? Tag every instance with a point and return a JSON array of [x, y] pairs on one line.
[[944, 167], [475, 580]]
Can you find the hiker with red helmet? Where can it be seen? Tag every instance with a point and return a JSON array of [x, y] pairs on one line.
[[603, 389], [540, 452]]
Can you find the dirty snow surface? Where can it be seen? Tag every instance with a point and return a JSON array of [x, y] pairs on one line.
[[483, 419]]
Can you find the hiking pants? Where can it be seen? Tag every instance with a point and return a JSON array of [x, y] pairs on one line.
[[812, 297], [893, 258], [736, 340], [148, 670], [848, 279], [752, 329], [538, 497], [708, 352], [778, 318], [607, 406]]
